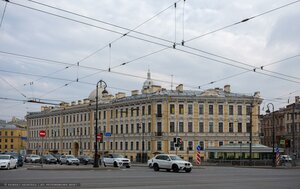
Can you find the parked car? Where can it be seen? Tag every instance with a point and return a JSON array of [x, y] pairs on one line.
[[8, 161], [33, 158], [116, 160], [86, 160], [17, 156], [57, 156], [171, 162], [69, 160], [285, 158], [49, 159], [150, 162]]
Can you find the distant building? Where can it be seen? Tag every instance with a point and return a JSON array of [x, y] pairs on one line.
[[12, 138], [146, 123], [287, 128]]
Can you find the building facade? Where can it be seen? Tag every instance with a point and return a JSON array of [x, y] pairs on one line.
[[12, 138], [146, 123], [286, 123]]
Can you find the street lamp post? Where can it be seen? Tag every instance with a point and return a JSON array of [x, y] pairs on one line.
[[273, 133], [96, 159]]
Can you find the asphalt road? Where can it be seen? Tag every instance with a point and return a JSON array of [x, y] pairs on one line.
[[144, 178]]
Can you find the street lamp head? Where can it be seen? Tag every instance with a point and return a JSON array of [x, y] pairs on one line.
[[268, 111], [104, 92]]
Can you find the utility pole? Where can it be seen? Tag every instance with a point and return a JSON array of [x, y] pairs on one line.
[[250, 135]]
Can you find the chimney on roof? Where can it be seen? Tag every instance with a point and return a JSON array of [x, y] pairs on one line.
[[134, 92], [120, 95], [179, 88], [227, 88]]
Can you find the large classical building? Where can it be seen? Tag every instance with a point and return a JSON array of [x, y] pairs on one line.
[[147, 121], [286, 125]]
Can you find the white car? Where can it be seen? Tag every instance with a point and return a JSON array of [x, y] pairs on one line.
[[150, 162], [7, 162], [116, 160], [171, 162], [69, 160]]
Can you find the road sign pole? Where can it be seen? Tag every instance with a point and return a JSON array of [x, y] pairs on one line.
[[42, 151]]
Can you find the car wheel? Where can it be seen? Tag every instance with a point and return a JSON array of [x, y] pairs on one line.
[[61, 163], [156, 167], [188, 170], [127, 166], [104, 164], [77, 164], [8, 166], [175, 168], [16, 166], [115, 164], [150, 166]]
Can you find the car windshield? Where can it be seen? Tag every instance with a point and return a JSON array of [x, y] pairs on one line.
[[175, 158], [35, 156], [117, 156], [70, 156], [4, 157]]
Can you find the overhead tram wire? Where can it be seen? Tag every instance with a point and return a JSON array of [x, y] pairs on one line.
[[95, 52], [241, 73], [2, 17], [156, 37], [243, 20], [13, 87], [147, 34]]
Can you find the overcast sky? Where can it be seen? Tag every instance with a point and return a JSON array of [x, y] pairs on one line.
[[258, 42]]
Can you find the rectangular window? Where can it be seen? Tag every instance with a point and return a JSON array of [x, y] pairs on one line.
[[190, 127], [211, 109], [137, 145], [190, 145], [172, 146], [190, 109], [149, 127], [230, 127], [220, 109], [159, 112], [131, 145], [211, 127], [143, 110], [181, 109], [112, 129], [159, 146], [149, 145], [126, 129], [132, 128], [239, 127], [172, 127], [221, 143], [181, 126], [138, 128], [172, 108], [126, 145], [230, 109], [201, 143], [117, 129], [239, 110], [248, 127], [181, 146], [201, 127], [121, 128], [149, 109], [248, 109], [201, 109], [220, 127]]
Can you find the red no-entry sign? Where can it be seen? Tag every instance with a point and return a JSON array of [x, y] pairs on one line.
[[42, 133]]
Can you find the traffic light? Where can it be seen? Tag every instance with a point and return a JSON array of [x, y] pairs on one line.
[[100, 137], [177, 142], [287, 143]]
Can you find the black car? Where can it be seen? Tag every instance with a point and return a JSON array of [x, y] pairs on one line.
[[48, 159], [86, 160], [16, 156], [57, 156]]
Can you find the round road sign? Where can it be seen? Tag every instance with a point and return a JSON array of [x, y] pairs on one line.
[[42, 133]]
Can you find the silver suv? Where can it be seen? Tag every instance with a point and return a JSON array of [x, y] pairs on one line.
[[171, 162], [69, 160]]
